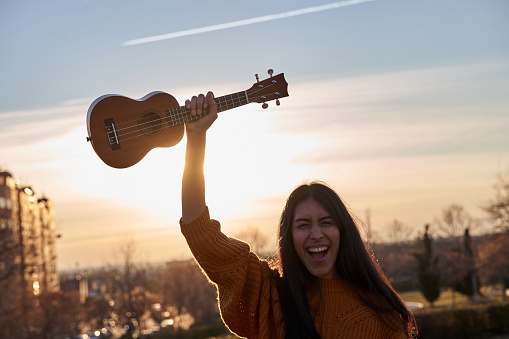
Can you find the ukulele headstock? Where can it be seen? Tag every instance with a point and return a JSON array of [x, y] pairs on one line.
[[272, 88]]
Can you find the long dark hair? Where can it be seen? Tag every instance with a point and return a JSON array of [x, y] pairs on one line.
[[353, 263]]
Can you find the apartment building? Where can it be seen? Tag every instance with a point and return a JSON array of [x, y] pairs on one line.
[[27, 242]]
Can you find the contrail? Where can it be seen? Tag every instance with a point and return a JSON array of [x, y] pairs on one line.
[[243, 22]]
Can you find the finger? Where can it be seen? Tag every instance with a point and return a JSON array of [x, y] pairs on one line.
[[188, 104], [199, 104], [210, 99], [211, 103], [193, 105]]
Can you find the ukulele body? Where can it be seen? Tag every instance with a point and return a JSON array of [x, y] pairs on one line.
[[123, 130]]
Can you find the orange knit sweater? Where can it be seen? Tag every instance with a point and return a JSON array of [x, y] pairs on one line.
[[248, 296]]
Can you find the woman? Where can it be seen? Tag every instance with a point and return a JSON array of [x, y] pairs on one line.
[[326, 286]]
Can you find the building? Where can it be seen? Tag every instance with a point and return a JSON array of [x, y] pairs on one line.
[[27, 243]]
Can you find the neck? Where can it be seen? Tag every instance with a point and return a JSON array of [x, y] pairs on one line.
[[180, 115]]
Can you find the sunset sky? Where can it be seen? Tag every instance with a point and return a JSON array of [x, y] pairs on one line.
[[401, 106]]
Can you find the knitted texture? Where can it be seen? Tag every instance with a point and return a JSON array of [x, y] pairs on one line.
[[249, 299]]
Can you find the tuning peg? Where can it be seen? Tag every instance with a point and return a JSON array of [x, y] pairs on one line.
[[257, 79], [265, 105], [270, 71], [277, 102]]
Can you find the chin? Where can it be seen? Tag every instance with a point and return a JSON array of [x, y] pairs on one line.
[[323, 274]]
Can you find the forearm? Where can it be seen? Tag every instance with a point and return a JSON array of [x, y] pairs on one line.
[[193, 180]]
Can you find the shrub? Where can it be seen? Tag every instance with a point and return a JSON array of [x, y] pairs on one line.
[[471, 322], [498, 318]]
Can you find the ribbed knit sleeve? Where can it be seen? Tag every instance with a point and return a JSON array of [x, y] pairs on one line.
[[248, 298]]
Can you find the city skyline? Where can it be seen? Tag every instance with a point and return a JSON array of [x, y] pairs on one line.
[[399, 106]]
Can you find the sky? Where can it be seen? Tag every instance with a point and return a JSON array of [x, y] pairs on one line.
[[401, 106]]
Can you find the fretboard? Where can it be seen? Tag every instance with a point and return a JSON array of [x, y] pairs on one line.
[[180, 115]]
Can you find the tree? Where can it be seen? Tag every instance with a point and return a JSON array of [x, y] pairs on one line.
[[498, 208], [428, 274], [454, 221], [187, 295], [468, 285], [494, 252], [493, 260], [255, 238], [398, 262], [366, 228], [95, 310], [398, 232], [55, 315], [11, 283], [128, 288]]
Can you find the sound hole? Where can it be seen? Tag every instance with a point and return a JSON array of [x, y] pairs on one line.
[[150, 123]]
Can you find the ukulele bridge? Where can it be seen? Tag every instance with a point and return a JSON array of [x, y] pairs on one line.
[[111, 132]]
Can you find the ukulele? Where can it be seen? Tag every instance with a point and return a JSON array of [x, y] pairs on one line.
[[123, 130]]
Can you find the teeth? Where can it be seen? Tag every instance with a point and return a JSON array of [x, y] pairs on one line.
[[318, 249]]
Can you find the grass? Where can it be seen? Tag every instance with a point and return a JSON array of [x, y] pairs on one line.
[[488, 295], [444, 300]]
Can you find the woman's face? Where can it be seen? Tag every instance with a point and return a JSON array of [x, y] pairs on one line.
[[316, 239]]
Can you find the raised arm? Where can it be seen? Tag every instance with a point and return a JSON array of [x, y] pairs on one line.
[[193, 180]]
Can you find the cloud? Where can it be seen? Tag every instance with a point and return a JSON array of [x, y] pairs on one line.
[[251, 21], [36, 125], [450, 110]]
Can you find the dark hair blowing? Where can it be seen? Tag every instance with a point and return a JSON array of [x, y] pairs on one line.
[[353, 263]]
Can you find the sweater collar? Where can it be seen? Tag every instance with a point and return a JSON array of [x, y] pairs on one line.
[[334, 285]]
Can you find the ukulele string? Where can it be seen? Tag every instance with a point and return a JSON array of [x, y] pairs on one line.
[[263, 88], [182, 110], [148, 125], [175, 112], [136, 124], [179, 113], [163, 126]]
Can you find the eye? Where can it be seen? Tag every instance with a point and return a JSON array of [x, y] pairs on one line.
[[303, 225], [328, 222]]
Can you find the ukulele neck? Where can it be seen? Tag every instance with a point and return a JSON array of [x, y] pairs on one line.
[[180, 115]]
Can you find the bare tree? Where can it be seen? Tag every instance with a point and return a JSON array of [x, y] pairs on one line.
[[498, 207], [188, 296], [461, 268], [493, 260], [399, 232], [254, 237], [454, 221], [128, 287], [55, 315], [366, 228]]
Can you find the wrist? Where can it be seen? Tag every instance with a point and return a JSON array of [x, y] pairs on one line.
[[196, 137]]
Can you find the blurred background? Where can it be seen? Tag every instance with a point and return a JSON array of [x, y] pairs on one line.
[[401, 106]]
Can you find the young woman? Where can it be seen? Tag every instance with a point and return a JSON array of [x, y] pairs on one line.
[[327, 284]]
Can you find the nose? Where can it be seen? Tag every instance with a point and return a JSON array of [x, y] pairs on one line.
[[316, 232]]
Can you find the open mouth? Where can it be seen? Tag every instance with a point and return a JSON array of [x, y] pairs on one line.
[[318, 253]]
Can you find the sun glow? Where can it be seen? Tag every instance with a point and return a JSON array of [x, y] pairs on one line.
[[248, 161]]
